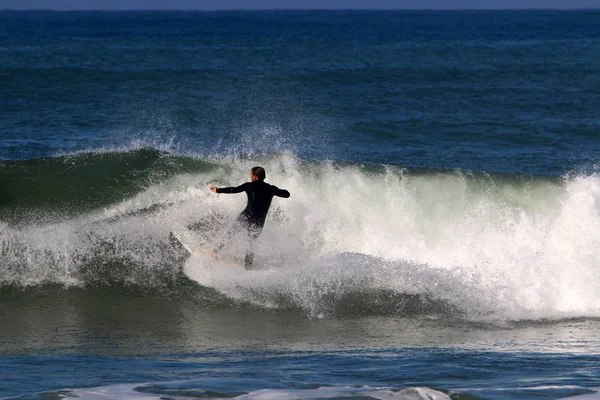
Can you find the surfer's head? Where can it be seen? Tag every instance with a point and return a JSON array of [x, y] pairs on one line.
[[258, 174]]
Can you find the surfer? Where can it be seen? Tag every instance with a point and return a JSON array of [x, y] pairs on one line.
[[252, 218]]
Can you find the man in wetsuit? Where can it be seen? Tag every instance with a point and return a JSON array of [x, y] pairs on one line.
[[253, 217]]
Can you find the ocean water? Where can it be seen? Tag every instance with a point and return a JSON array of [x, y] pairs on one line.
[[441, 240]]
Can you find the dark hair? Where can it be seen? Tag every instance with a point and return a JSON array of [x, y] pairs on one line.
[[259, 172]]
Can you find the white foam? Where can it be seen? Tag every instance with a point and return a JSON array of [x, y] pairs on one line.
[[340, 392], [518, 250], [590, 396], [127, 391], [512, 250], [113, 392]]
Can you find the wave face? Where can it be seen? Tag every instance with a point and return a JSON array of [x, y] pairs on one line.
[[352, 239]]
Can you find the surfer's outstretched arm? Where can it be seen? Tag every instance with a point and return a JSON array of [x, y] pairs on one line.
[[280, 192], [236, 189]]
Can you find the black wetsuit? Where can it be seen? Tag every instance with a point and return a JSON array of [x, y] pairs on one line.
[[259, 195], [252, 218]]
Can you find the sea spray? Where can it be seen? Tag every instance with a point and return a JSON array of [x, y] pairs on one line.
[[466, 243]]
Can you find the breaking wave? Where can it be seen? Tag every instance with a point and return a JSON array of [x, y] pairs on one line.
[[352, 239]]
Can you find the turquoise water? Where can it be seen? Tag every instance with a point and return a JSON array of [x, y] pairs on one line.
[[440, 240]]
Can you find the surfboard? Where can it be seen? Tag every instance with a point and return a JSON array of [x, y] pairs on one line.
[[187, 242]]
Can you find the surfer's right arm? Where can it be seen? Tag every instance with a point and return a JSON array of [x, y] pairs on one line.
[[237, 189]]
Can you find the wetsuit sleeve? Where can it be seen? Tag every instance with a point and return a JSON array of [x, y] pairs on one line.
[[237, 189], [280, 192]]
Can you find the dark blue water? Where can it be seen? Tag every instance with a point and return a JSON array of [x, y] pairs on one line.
[[441, 240], [492, 91]]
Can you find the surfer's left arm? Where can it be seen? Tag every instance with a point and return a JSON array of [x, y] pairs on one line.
[[280, 192]]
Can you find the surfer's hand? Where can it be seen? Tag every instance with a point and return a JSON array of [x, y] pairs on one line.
[[213, 189]]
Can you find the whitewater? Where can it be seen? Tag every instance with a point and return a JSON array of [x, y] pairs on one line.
[[442, 242]]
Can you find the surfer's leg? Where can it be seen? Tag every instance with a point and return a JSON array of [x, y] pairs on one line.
[[249, 259], [253, 233]]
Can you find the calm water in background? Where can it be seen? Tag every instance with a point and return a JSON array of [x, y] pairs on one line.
[[441, 239]]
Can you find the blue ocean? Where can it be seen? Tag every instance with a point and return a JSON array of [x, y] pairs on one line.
[[441, 241]]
